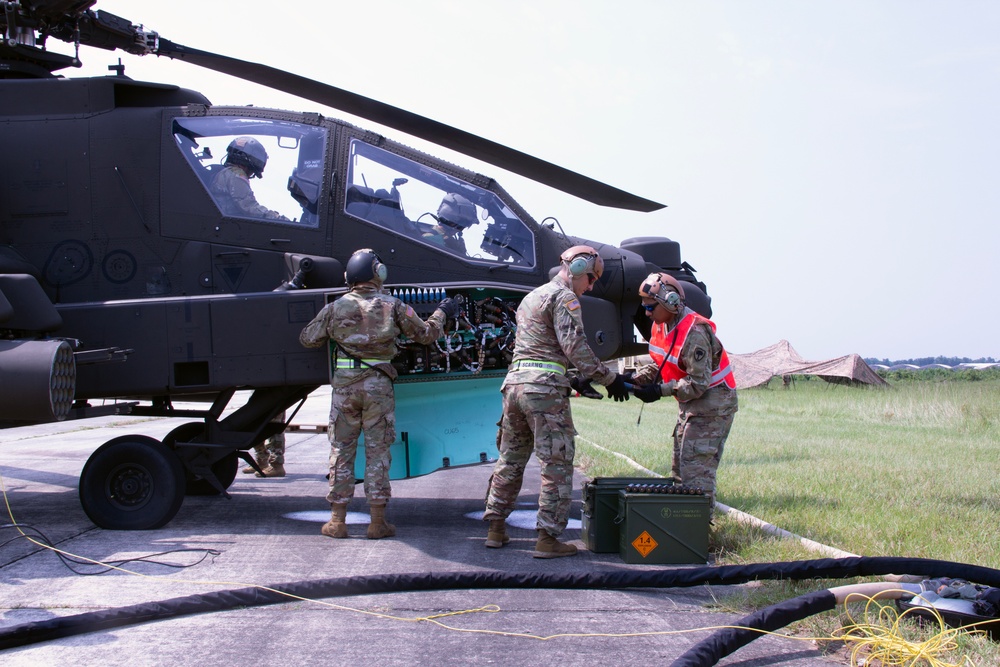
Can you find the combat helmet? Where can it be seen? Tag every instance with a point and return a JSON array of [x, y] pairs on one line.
[[583, 259], [248, 153], [664, 289], [456, 211], [365, 266]]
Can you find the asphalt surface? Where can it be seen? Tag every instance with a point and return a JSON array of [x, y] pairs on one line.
[[267, 533]]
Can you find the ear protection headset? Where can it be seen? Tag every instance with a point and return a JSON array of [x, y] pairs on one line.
[[582, 259], [663, 288], [379, 268], [672, 300], [365, 265]]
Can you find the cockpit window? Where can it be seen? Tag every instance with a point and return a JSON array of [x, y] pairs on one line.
[[256, 168], [434, 208]]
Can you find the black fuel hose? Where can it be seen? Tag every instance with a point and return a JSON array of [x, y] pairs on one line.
[[827, 568]]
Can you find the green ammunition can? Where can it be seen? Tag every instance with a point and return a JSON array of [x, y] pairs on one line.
[[663, 529], [600, 508]]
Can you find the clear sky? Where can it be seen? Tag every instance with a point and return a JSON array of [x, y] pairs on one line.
[[830, 167]]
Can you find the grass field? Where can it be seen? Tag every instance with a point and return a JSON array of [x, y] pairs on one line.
[[913, 470], [910, 471]]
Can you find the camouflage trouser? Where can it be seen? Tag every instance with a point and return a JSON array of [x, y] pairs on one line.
[[367, 406], [535, 418], [698, 445], [272, 450]]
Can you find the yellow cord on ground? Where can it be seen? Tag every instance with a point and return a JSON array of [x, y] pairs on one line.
[[881, 637]]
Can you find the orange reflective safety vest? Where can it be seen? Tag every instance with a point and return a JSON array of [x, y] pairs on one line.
[[665, 349]]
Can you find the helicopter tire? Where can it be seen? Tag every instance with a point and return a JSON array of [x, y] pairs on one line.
[[225, 469], [132, 482]]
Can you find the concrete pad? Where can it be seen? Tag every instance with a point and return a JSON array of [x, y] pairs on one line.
[[268, 533]]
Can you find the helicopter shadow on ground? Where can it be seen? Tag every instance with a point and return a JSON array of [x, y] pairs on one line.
[[438, 519], [47, 517], [39, 476]]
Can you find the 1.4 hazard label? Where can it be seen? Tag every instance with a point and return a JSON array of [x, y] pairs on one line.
[[644, 544]]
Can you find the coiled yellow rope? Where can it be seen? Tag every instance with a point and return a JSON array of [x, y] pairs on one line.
[[880, 637]]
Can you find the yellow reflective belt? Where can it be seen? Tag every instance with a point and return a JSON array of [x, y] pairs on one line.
[[358, 363], [551, 366]]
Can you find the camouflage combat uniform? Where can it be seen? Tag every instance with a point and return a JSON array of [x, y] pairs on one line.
[[271, 451], [536, 411], [439, 236], [365, 323], [237, 196], [705, 414]]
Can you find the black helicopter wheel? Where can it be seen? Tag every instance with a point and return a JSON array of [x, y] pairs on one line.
[[132, 482], [225, 469]]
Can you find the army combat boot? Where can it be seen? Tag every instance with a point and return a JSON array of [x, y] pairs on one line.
[[497, 535], [337, 525], [379, 527], [272, 470], [261, 463], [549, 547]]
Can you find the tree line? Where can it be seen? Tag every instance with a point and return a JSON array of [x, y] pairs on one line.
[[924, 361]]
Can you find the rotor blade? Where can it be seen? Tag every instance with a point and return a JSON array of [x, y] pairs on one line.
[[415, 125]]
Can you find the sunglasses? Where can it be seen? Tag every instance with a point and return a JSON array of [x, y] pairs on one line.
[[649, 307], [591, 278]]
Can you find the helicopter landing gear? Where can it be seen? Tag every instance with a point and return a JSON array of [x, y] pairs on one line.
[[132, 482], [224, 469]]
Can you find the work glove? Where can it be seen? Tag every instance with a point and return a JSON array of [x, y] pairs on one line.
[[450, 308], [584, 388], [647, 393], [617, 389]]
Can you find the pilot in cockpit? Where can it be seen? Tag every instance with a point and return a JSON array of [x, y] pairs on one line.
[[245, 159], [454, 215]]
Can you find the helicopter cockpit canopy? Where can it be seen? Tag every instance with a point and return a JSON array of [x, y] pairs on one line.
[[288, 190], [420, 202]]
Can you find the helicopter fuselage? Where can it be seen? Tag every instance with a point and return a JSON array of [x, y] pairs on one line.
[[153, 247]]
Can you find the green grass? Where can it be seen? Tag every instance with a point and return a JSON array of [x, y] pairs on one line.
[[913, 470], [910, 471]]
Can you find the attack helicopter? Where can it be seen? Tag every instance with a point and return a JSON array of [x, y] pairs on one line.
[[129, 279]]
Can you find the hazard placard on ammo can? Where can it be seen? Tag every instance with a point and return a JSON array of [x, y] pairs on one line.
[[600, 507], [663, 528]]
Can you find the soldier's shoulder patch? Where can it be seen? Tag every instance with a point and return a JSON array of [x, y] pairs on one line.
[[699, 353], [409, 311], [573, 305]]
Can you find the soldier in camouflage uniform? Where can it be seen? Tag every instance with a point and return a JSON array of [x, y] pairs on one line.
[[364, 323], [245, 159], [691, 365], [455, 214], [270, 454], [536, 412]]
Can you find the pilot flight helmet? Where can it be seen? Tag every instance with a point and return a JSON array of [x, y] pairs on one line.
[[365, 266], [249, 153], [664, 289], [581, 259], [456, 212]]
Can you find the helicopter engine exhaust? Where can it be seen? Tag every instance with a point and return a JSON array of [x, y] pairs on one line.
[[39, 380]]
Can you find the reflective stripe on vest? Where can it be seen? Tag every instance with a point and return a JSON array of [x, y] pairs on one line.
[[671, 370], [358, 363], [551, 366]]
